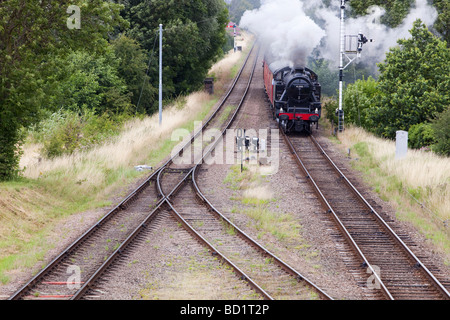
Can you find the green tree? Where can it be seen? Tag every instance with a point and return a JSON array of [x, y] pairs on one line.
[[133, 69], [238, 7], [421, 135], [194, 33], [32, 35], [328, 78], [89, 81], [414, 83], [441, 129], [358, 98], [396, 10], [442, 23]]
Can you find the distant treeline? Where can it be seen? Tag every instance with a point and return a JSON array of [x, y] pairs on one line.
[[412, 93], [78, 57]]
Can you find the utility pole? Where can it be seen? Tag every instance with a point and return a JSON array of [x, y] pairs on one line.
[[160, 73], [350, 44], [341, 68], [234, 37]]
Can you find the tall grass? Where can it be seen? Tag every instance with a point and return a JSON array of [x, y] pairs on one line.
[[418, 186]]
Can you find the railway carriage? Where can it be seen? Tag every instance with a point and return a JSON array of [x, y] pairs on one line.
[[294, 94]]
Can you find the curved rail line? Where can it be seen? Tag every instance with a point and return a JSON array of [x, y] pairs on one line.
[[356, 234], [167, 202], [122, 206], [283, 265]]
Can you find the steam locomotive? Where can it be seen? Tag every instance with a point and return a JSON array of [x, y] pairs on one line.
[[294, 95]]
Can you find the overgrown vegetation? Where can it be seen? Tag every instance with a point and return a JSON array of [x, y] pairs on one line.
[[66, 131], [106, 67], [411, 94], [107, 147], [416, 186]]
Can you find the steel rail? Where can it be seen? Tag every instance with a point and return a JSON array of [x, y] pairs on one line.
[[186, 225], [286, 267], [214, 251], [79, 241], [122, 205], [164, 198], [116, 254], [225, 98], [383, 223], [242, 234], [335, 217], [189, 228]]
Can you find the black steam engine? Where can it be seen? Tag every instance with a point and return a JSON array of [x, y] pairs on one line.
[[294, 94]]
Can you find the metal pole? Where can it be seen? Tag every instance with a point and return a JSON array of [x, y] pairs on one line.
[[234, 37], [160, 73], [341, 68]]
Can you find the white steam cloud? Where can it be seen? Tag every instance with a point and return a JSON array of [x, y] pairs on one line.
[[284, 28], [291, 29]]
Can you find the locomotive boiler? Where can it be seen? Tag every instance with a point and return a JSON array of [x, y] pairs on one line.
[[294, 94]]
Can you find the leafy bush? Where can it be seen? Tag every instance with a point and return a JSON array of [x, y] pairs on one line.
[[413, 84], [66, 131], [441, 130], [420, 135], [330, 107], [358, 98]]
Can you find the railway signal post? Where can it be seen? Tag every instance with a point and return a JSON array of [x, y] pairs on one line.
[[341, 68], [349, 44]]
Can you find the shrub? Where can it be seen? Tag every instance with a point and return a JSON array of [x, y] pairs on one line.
[[330, 107], [414, 83], [358, 98], [66, 131], [420, 135], [441, 130]]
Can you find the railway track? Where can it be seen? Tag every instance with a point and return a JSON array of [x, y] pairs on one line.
[[392, 270], [90, 251], [107, 242], [263, 271]]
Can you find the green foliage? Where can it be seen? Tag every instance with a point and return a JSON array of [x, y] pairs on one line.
[[194, 33], [66, 131], [330, 107], [420, 135], [442, 23], [238, 7], [229, 43], [132, 68], [328, 78], [358, 98], [396, 10], [441, 128], [88, 81], [32, 35], [414, 83]]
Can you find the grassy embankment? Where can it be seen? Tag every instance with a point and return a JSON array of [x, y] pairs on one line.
[[53, 189], [416, 186]]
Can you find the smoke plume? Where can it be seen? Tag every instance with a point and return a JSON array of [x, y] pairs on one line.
[[291, 29]]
